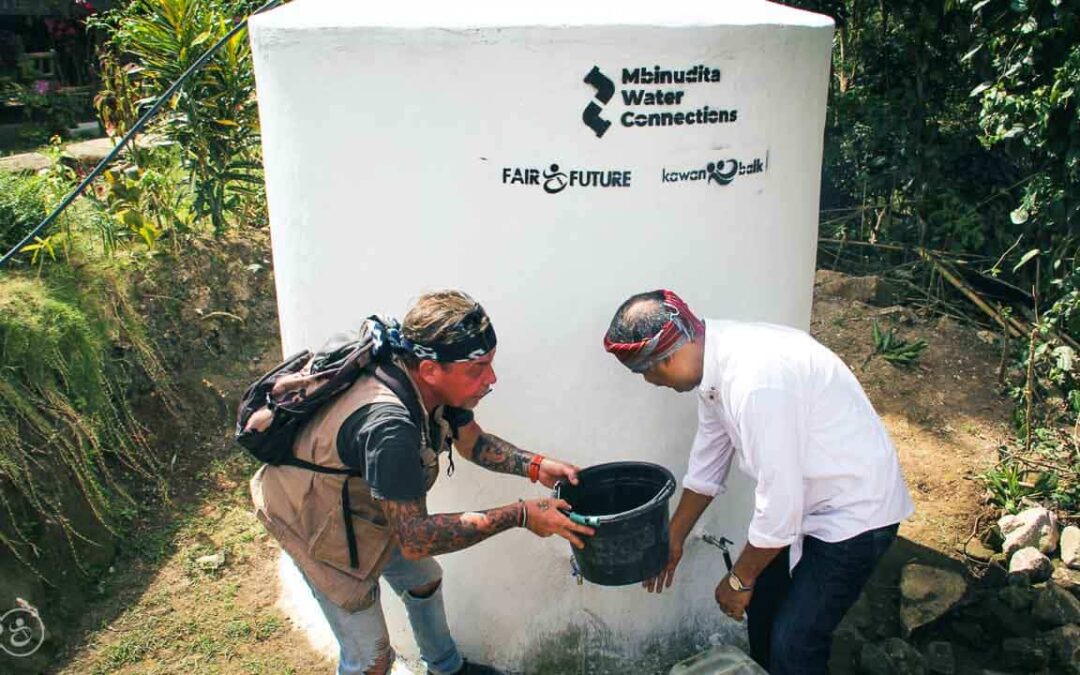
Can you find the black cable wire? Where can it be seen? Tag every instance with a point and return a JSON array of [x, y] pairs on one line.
[[136, 128]]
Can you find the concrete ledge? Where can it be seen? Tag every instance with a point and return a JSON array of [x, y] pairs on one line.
[[30, 162]]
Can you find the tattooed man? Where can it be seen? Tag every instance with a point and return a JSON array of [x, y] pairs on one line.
[[443, 351]]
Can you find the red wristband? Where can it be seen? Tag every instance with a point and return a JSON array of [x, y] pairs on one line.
[[534, 467]]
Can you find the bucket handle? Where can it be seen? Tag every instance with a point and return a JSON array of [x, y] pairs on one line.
[[662, 494]]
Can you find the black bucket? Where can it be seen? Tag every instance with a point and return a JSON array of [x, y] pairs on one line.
[[628, 502]]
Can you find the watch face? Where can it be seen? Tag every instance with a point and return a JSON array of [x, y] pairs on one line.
[[734, 583]]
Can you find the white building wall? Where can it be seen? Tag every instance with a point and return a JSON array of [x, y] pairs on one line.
[[394, 134]]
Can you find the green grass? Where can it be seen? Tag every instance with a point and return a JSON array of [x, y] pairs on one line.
[[64, 423], [194, 620]]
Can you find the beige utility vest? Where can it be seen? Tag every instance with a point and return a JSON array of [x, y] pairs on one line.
[[303, 508]]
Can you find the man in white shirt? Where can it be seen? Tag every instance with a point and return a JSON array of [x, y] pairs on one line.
[[829, 494]]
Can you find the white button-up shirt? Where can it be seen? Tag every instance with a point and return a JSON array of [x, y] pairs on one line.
[[801, 426]]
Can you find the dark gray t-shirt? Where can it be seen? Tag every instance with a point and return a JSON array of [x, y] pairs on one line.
[[381, 439]]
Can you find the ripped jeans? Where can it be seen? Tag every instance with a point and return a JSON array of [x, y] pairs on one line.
[[362, 635]]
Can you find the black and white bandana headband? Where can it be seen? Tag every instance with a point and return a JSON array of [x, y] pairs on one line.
[[478, 340]]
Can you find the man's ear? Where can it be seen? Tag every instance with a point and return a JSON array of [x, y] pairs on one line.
[[428, 371]]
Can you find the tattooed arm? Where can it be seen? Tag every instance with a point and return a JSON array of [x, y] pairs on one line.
[[422, 534], [495, 454], [492, 452]]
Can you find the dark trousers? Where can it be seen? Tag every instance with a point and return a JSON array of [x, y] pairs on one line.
[[791, 617]]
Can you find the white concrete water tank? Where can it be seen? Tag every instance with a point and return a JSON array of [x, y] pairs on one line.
[[549, 159]]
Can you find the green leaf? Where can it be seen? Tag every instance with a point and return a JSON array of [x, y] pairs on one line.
[[1074, 400], [967, 57], [1020, 216], [1019, 5], [1065, 356], [1014, 132], [1026, 258], [980, 89]]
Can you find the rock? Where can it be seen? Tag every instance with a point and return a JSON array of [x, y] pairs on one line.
[[1024, 654], [873, 660], [927, 593], [1064, 646], [29, 162], [1036, 527], [940, 658], [969, 632], [903, 658], [1066, 578], [827, 277], [1017, 598], [977, 550], [891, 657], [1054, 606], [869, 289], [211, 562], [1031, 565], [989, 337], [89, 153], [847, 645], [946, 324], [998, 619], [1070, 546], [992, 538], [898, 312]]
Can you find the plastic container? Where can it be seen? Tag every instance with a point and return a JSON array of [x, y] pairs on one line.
[[719, 660], [627, 503]]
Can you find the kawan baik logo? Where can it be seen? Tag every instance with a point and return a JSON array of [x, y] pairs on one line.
[[720, 172]]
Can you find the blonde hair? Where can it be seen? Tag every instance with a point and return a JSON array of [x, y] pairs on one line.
[[435, 318]]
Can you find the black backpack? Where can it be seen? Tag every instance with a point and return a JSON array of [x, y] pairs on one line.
[[277, 405]]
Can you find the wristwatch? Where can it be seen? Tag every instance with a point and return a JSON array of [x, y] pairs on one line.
[[737, 585]]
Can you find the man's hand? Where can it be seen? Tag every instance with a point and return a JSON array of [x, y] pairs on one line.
[[663, 580], [691, 506], [544, 518], [552, 471], [732, 602]]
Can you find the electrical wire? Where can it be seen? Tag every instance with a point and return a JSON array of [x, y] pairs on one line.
[[135, 129]]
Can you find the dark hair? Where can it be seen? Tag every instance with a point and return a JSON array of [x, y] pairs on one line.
[[639, 318]]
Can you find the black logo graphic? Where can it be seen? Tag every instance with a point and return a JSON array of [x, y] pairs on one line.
[[554, 180], [723, 171], [605, 89]]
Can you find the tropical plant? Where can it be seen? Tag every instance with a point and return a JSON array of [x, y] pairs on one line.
[[1009, 484], [148, 200], [213, 117], [896, 350]]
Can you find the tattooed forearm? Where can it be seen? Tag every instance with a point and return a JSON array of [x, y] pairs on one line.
[[492, 452], [423, 535]]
